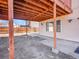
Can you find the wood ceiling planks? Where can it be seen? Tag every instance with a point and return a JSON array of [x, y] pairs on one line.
[[35, 10]]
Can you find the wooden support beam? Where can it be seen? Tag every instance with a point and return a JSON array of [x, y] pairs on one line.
[[3, 2], [47, 3], [4, 5], [33, 7], [16, 6], [36, 4], [4, 17], [54, 23], [61, 10], [23, 11], [51, 8], [39, 14], [44, 16], [29, 6], [11, 29]]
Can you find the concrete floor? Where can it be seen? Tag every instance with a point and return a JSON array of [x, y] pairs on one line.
[[65, 46], [31, 48]]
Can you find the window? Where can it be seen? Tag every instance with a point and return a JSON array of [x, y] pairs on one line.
[[50, 26], [58, 26]]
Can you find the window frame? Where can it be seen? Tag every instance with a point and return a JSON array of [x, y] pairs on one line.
[[47, 26]]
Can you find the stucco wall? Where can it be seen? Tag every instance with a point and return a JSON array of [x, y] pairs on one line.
[[70, 31]]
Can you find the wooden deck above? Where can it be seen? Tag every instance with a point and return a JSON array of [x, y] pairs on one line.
[[35, 10]]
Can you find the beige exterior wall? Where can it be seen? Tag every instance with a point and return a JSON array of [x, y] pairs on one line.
[[69, 31]]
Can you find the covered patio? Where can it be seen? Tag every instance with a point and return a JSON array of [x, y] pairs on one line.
[[32, 10]]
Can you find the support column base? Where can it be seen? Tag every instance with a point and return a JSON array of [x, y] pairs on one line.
[[54, 50]]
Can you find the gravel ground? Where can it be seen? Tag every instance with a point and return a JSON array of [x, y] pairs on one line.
[[30, 48]]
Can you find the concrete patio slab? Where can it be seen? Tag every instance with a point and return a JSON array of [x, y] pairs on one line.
[[30, 48]]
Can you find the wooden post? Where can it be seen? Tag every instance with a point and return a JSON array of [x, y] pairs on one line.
[[29, 24], [54, 23], [11, 29], [26, 28]]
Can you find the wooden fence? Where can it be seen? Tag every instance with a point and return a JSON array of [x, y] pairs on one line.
[[19, 30]]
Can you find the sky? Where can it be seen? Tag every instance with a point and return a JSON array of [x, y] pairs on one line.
[[16, 21], [19, 22]]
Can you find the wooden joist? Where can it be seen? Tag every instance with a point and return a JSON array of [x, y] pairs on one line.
[[37, 10]]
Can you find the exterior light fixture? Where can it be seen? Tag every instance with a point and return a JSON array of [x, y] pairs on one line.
[[78, 18], [70, 20], [41, 23]]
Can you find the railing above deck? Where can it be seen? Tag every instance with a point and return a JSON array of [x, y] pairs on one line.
[[65, 4]]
